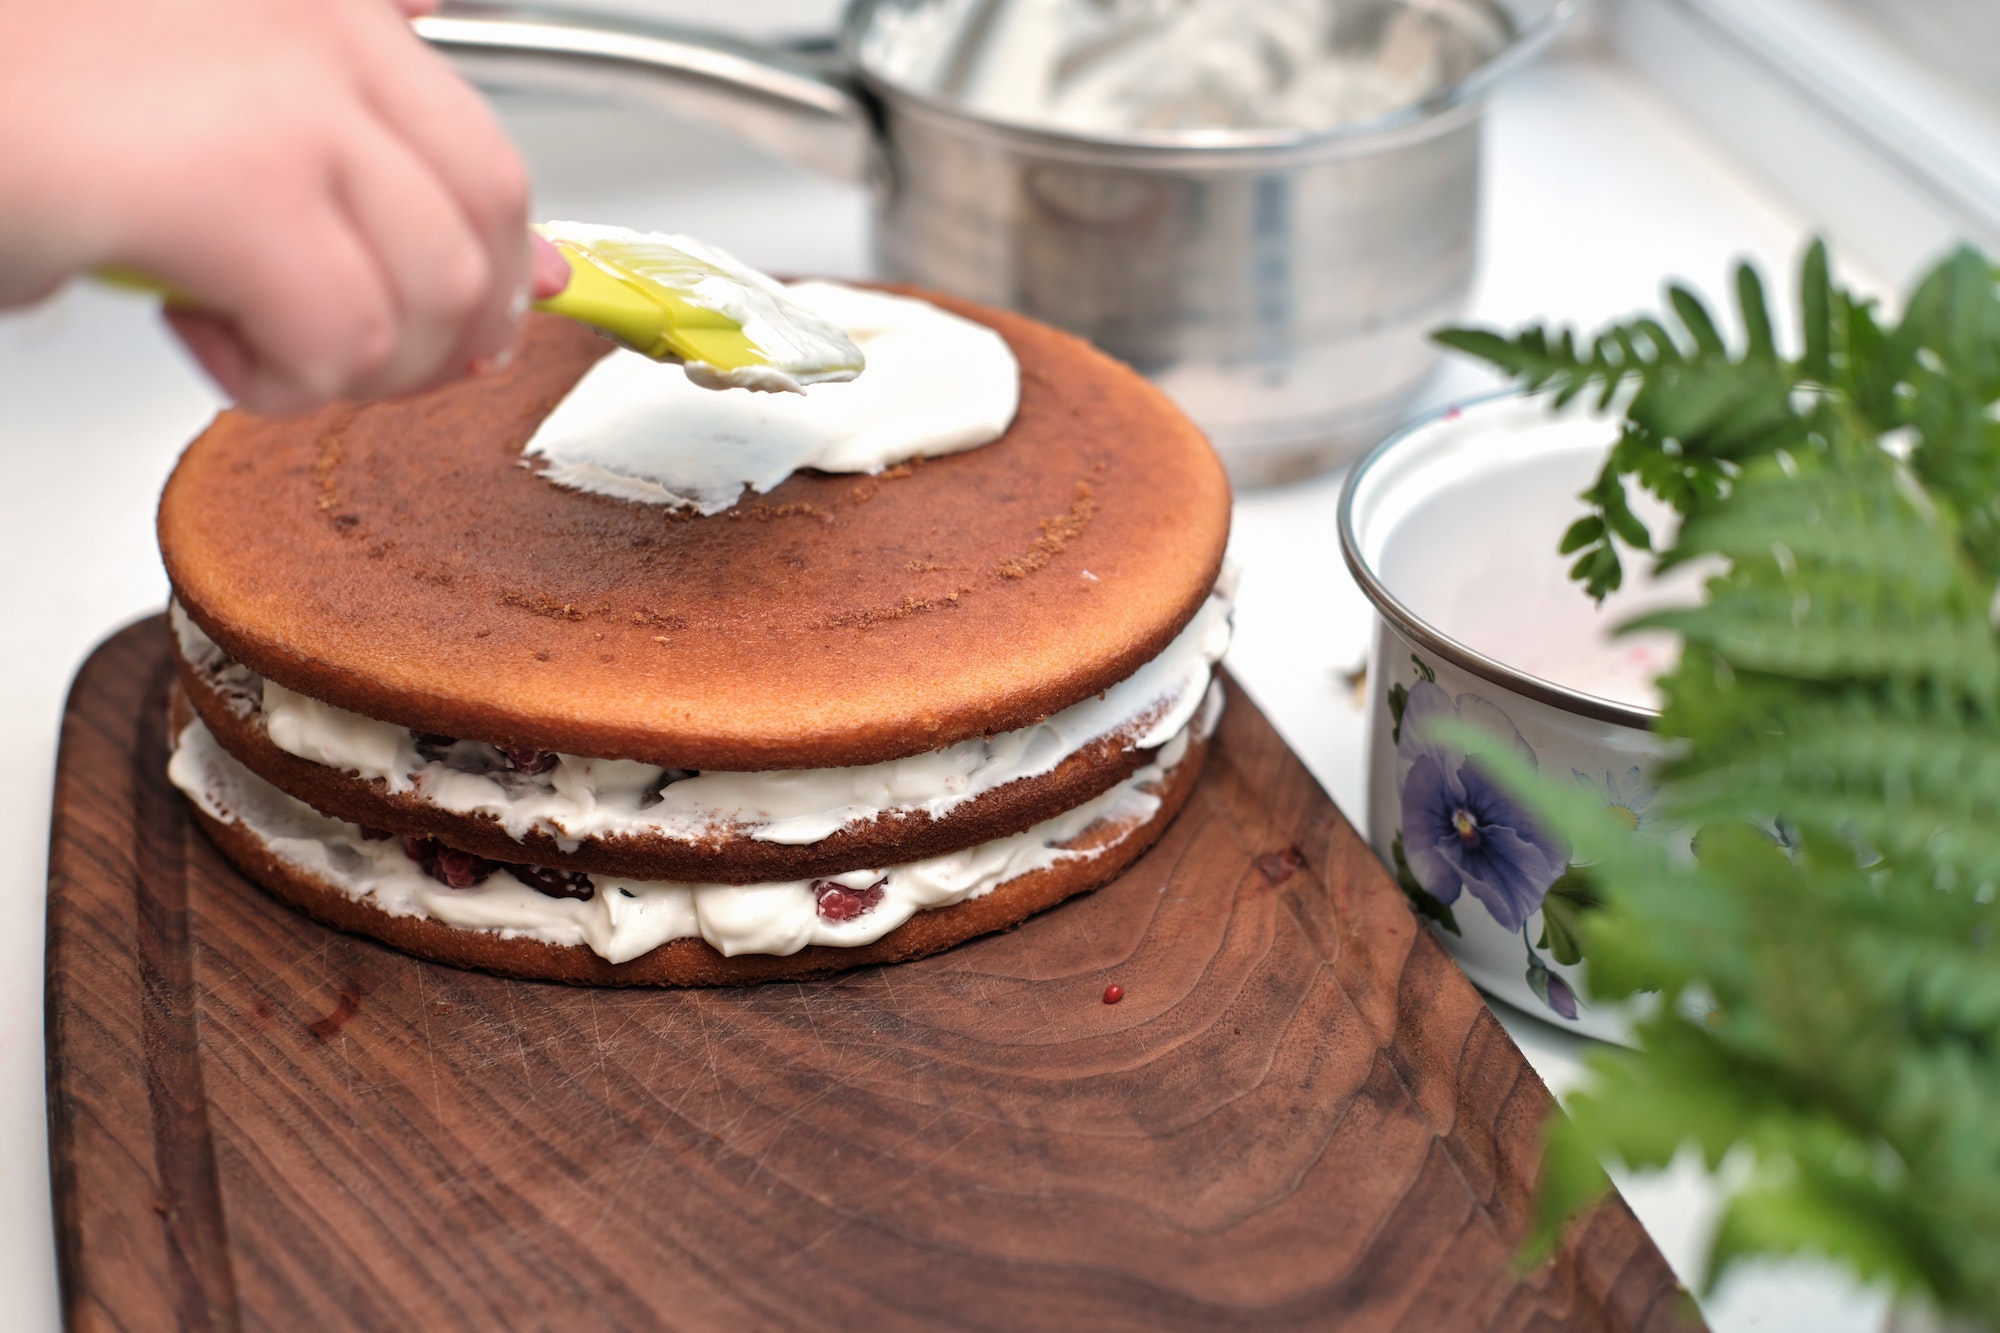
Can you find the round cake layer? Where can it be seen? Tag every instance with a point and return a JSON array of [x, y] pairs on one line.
[[398, 560], [1093, 856]]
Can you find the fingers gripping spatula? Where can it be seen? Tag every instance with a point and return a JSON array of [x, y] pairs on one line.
[[675, 299]]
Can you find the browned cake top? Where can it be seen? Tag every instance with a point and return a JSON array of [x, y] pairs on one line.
[[397, 559]]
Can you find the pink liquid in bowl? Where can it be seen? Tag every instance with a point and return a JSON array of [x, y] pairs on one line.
[[1476, 559]]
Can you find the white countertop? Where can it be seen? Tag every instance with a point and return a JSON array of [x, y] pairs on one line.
[[1595, 191]]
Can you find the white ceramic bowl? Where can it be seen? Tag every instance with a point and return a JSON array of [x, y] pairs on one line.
[[1451, 528]]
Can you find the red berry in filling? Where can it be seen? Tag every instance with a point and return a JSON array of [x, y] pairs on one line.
[[528, 761], [839, 903], [463, 870], [448, 865], [1113, 993]]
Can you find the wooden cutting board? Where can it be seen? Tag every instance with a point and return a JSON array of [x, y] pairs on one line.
[[1301, 1115]]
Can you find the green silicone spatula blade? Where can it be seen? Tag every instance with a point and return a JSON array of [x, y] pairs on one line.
[[675, 299]]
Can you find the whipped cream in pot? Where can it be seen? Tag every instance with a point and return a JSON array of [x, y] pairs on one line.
[[581, 797], [634, 429], [1162, 67]]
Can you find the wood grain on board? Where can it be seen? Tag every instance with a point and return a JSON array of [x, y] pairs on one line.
[[1300, 1115]]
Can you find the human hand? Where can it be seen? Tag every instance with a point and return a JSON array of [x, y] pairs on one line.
[[343, 213]]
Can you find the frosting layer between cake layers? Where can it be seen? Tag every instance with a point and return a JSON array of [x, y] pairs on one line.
[[623, 919], [579, 798]]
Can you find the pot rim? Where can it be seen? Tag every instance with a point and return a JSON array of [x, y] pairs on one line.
[[1441, 111], [1398, 615]]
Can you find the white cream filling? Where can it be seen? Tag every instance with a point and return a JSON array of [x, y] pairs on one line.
[[595, 798], [625, 919], [935, 384]]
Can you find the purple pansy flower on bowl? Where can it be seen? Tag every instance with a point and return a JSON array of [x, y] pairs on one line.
[[1461, 832]]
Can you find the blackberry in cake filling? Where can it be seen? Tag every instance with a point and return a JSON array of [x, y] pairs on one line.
[[507, 762], [434, 747], [478, 756], [531, 762], [463, 870], [555, 883]]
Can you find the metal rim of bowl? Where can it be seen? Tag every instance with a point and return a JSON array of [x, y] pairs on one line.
[[1433, 114], [1412, 626], [1382, 135]]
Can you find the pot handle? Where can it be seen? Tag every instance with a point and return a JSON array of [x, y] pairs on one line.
[[1529, 42], [788, 104]]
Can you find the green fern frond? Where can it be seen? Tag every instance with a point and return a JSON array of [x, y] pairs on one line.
[[1922, 792], [1697, 411], [1823, 627], [1838, 700], [1855, 518]]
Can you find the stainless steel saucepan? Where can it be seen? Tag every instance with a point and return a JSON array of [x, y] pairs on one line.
[[1276, 281]]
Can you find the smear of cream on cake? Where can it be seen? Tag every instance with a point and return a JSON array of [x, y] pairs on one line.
[[634, 429]]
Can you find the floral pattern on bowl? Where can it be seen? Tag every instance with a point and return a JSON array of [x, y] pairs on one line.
[[1450, 530], [1469, 855]]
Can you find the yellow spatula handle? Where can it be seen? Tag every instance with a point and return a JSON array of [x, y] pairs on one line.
[[134, 281], [653, 321]]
